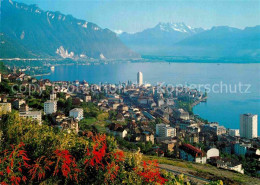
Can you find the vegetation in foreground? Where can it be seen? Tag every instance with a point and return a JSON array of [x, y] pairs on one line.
[[34, 154]]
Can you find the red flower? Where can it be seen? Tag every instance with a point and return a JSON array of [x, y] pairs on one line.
[[66, 163], [39, 168], [97, 154], [12, 161], [150, 173], [119, 156], [8, 170]]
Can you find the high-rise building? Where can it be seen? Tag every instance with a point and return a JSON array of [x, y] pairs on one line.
[[248, 125], [140, 78]]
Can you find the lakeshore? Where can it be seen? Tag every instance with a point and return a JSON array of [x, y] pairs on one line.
[[184, 74]]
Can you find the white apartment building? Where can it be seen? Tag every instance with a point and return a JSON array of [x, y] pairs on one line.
[[140, 78], [248, 125], [170, 132], [77, 113], [234, 132], [163, 130], [50, 107], [35, 115]]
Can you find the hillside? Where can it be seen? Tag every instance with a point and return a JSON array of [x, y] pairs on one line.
[[32, 32]]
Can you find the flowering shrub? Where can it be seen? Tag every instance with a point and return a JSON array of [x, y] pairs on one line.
[[39, 168], [59, 158], [150, 172], [12, 164], [65, 163], [96, 156]]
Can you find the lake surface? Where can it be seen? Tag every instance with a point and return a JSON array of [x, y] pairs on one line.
[[224, 107]]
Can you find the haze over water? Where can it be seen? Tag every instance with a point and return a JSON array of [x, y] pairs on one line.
[[224, 108]]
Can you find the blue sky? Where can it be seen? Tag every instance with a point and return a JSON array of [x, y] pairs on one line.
[[136, 15]]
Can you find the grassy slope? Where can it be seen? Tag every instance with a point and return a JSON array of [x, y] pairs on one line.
[[207, 171]]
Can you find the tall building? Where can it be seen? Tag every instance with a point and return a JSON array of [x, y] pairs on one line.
[[248, 125], [163, 130], [140, 78], [50, 107]]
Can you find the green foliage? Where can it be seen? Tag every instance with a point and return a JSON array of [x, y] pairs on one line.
[[3, 68], [186, 105]]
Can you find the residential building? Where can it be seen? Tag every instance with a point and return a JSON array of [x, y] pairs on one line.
[[17, 103], [50, 107], [163, 130], [117, 130], [87, 98], [193, 154], [214, 128], [35, 115], [70, 124], [76, 113], [160, 130], [169, 145], [170, 132], [241, 148], [24, 108], [230, 165], [248, 125], [181, 114], [147, 136], [53, 96], [234, 132], [5, 108]]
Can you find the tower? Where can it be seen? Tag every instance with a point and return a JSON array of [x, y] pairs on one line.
[[140, 78], [248, 125]]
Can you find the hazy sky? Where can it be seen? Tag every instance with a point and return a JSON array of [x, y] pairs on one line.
[[136, 15]]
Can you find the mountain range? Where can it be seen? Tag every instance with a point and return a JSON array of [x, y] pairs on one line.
[[178, 39], [29, 32]]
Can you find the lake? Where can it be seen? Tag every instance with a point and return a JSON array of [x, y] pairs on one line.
[[222, 106]]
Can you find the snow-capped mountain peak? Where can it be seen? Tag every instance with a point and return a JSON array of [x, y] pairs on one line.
[[176, 27]]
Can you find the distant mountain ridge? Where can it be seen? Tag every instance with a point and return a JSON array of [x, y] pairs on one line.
[[178, 39], [52, 34], [163, 35]]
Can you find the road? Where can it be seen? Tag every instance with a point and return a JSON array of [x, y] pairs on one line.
[[174, 169]]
